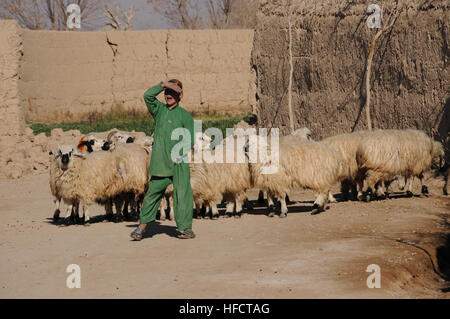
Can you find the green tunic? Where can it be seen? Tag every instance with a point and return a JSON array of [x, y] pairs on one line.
[[166, 120]]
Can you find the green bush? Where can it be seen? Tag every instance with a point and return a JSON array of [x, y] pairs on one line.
[[137, 123]]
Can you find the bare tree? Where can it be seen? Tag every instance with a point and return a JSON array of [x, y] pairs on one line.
[[118, 19], [232, 14], [27, 13], [390, 23], [219, 12], [180, 14], [216, 14], [49, 14]]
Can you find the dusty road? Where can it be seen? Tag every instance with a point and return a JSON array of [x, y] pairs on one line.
[[302, 256]]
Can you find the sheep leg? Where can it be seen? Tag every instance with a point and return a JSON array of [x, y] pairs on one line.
[[248, 204], [171, 211], [284, 209], [76, 212], [379, 190], [360, 187], [388, 188], [86, 213], [109, 210], [287, 199], [331, 198], [319, 204], [162, 209], [57, 202], [118, 203], [67, 219], [214, 210], [204, 211], [345, 189], [424, 188], [372, 180], [134, 203], [239, 204], [270, 205], [354, 188], [409, 186], [127, 207], [261, 197], [241, 201], [229, 208], [197, 211]]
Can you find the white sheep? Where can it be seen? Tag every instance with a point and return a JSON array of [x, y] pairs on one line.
[[385, 154], [101, 176], [134, 161], [86, 145], [307, 164], [118, 137], [58, 159], [298, 136], [347, 145], [231, 180], [91, 143]]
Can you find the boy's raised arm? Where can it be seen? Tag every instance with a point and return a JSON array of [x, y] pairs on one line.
[[151, 101]]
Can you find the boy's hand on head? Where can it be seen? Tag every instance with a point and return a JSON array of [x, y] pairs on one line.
[[173, 86]]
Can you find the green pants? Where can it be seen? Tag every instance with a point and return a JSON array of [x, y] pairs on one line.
[[183, 202]]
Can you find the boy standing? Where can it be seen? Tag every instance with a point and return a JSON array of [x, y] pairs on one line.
[[164, 169]]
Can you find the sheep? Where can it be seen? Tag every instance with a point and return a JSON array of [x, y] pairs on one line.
[[231, 180], [92, 143], [88, 178], [87, 144], [384, 154], [117, 137], [311, 165], [347, 145], [145, 141], [58, 158], [100, 176], [299, 135], [134, 170]]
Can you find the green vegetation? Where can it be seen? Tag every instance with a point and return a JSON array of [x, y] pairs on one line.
[[142, 123]]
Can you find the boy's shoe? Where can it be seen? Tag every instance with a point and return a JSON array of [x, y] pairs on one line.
[[137, 234], [186, 234]]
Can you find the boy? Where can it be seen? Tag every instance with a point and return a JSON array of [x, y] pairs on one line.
[[164, 169]]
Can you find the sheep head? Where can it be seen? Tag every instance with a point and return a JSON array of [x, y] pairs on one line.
[[119, 137], [92, 143], [304, 133]]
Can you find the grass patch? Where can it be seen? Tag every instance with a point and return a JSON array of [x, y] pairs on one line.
[[138, 123]]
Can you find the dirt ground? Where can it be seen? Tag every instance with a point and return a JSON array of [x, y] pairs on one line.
[[301, 256]]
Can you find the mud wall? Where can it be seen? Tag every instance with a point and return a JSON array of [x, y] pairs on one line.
[[69, 75], [12, 116], [331, 42]]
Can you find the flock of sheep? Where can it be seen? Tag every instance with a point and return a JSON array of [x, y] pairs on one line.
[[113, 171]]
